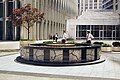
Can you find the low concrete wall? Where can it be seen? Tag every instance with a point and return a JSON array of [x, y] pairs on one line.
[[9, 45]]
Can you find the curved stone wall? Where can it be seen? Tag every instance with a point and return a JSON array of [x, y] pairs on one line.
[[60, 55]]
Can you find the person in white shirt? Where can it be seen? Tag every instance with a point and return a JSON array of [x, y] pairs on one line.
[[64, 37], [89, 37]]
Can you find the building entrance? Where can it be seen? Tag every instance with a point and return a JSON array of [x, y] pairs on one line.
[[101, 34], [113, 34]]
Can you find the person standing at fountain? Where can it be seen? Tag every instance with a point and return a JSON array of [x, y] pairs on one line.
[[56, 37], [64, 37], [89, 37]]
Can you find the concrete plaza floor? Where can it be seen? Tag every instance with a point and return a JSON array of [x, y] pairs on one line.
[[108, 70]]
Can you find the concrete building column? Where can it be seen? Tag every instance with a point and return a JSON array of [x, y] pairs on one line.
[[54, 29], [41, 30], [4, 24], [60, 30], [49, 33], [50, 28], [46, 31], [22, 33], [40, 25], [14, 29], [37, 31]]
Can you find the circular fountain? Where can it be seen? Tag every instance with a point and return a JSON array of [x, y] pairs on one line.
[[59, 54]]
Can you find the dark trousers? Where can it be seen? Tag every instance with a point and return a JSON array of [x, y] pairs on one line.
[[56, 39], [89, 42]]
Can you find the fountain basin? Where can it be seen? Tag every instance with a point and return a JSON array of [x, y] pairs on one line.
[[59, 54]]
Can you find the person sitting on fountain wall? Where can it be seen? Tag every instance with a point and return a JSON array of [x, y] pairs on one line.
[[64, 36], [89, 37], [56, 37], [53, 37]]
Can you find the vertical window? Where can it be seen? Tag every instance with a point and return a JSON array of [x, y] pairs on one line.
[[90, 7], [90, 1], [95, 0], [1, 9], [40, 4], [1, 20], [86, 7], [116, 7], [54, 4], [81, 7], [57, 5], [10, 7], [51, 3], [0, 0], [18, 4], [95, 7]]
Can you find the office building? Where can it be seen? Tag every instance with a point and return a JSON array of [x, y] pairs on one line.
[[89, 4], [107, 4], [116, 6], [104, 25], [56, 14], [7, 31]]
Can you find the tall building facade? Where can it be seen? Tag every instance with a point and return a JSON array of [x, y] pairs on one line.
[[89, 4], [7, 31], [107, 4], [56, 14]]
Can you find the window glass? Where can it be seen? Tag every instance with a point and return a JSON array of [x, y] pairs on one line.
[[95, 0], [1, 10], [10, 7], [116, 7]]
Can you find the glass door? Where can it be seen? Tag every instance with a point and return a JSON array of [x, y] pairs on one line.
[[101, 34], [113, 35]]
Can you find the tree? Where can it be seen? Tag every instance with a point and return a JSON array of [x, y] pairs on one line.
[[26, 16]]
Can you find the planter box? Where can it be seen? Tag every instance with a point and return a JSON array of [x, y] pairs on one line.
[[106, 49], [116, 49], [26, 43]]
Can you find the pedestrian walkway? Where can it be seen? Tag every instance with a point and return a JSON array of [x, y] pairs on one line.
[[108, 70]]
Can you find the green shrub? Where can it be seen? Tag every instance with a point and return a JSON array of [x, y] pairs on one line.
[[71, 42], [70, 39], [106, 45], [100, 43], [26, 40], [82, 44], [48, 42], [116, 44]]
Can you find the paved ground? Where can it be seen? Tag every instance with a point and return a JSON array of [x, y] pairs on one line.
[[108, 70], [8, 52], [6, 76]]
